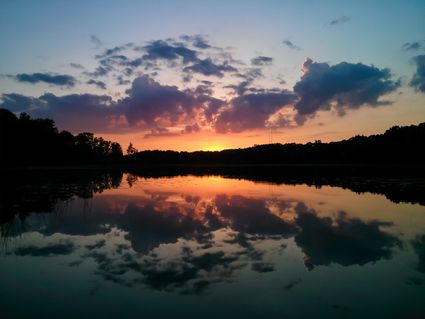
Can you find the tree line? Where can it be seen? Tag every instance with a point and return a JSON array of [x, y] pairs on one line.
[[26, 141], [398, 145]]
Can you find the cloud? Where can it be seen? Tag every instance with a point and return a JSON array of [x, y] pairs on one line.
[[249, 77], [99, 84], [76, 65], [96, 41], [291, 45], [290, 285], [191, 128], [198, 41], [261, 60], [98, 244], [160, 132], [112, 58], [340, 20], [251, 111], [419, 246], [60, 248], [121, 81], [251, 74], [341, 86], [172, 52], [148, 104], [100, 71], [204, 89], [160, 49], [239, 88], [418, 79], [153, 104], [76, 112], [211, 106], [411, 46], [250, 215], [207, 67], [190, 57], [111, 52], [20, 103], [343, 240], [262, 267], [50, 78]]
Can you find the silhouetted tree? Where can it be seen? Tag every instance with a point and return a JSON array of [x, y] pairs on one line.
[[131, 149]]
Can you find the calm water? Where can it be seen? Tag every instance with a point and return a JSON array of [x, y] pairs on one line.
[[202, 247]]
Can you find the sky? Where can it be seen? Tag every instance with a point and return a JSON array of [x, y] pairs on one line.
[[208, 75]]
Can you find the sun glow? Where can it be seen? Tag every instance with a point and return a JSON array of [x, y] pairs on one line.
[[213, 148]]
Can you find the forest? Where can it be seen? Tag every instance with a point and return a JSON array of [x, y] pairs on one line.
[[25, 141], [37, 142]]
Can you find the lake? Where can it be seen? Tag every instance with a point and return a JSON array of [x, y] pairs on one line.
[[118, 245]]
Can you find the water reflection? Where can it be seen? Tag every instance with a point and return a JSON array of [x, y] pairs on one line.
[[193, 236]]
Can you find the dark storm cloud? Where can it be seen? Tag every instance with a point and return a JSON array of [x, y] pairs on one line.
[[291, 45], [207, 67], [341, 86], [340, 20], [418, 80], [99, 84], [251, 111], [261, 60], [411, 46], [50, 78]]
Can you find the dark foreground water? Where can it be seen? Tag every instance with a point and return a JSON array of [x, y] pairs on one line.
[[120, 246]]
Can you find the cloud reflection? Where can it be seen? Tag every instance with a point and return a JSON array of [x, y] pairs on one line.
[[186, 241]]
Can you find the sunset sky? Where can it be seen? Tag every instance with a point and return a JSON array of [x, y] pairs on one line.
[[190, 75]]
